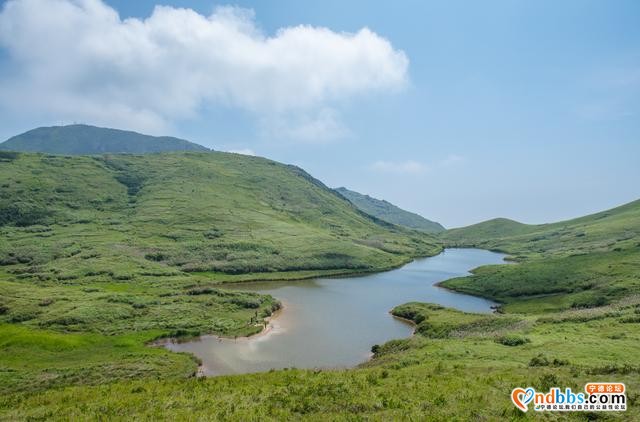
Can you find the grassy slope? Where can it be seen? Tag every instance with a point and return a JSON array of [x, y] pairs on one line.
[[186, 212], [585, 262], [129, 248], [458, 366], [389, 212], [84, 139], [618, 228]]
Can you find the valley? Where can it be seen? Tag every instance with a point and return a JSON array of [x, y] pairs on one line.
[[108, 254]]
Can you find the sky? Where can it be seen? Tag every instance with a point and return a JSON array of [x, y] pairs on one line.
[[461, 111]]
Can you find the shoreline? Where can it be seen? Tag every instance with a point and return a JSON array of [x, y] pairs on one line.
[[266, 329], [340, 273], [202, 369], [269, 327]]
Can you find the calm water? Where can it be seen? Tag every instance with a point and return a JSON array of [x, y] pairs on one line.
[[330, 323]]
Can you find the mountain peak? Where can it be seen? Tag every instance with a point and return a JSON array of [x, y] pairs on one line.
[[81, 139]]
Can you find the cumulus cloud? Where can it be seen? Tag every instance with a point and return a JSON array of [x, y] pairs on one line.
[[399, 167], [78, 60]]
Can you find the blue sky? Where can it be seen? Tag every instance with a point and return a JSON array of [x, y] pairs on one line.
[[463, 111]]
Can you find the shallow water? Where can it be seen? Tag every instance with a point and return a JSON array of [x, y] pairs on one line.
[[331, 323]]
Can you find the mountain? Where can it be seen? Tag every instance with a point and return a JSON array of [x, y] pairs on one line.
[[615, 228], [100, 255], [389, 212], [90, 140], [192, 212], [585, 262]]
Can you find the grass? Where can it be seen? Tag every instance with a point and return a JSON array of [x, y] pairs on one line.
[[114, 217], [389, 212], [101, 255], [34, 360], [586, 262], [108, 253], [457, 369], [606, 231], [560, 283]]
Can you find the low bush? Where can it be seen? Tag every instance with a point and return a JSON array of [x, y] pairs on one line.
[[512, 340]]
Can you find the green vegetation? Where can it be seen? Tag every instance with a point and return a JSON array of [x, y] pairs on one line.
[[456, 369], [389, 212], [611, 230], [100, 256], [34, 360], [121, 217], [582, 263], [87, 140]]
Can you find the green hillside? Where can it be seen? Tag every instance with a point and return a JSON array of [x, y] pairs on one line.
[[585, 262], [106, 254], [194, 212], [604, 231], [389, 212], [497, 227], [89, 140], [122, 249]]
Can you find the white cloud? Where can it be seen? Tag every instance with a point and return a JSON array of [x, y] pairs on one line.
[[77, 60], [399, 167], [243, 151]]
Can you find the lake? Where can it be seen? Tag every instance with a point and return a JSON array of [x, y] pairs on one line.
[[333, 322]]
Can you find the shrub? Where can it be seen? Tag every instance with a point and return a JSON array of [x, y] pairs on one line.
[[46, 302], [512, 340], [539, 360], [410, 313], [247, 303], [23, 214], [132, 182], [21, 316], [213, 234], [630, 319], [202, 291], [156, 256], [547, 381], [590, 302], [8, 156]]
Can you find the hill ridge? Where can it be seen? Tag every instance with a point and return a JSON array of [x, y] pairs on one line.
[[82, 139], [386, 211]]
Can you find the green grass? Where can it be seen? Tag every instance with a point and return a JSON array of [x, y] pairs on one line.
[[100, 255], [457, 369], [127, 216], [614, 229], [586, 262], [545, 285], [105, 254], [36, 360], [389, 212], [112, 308], [118, 243]]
